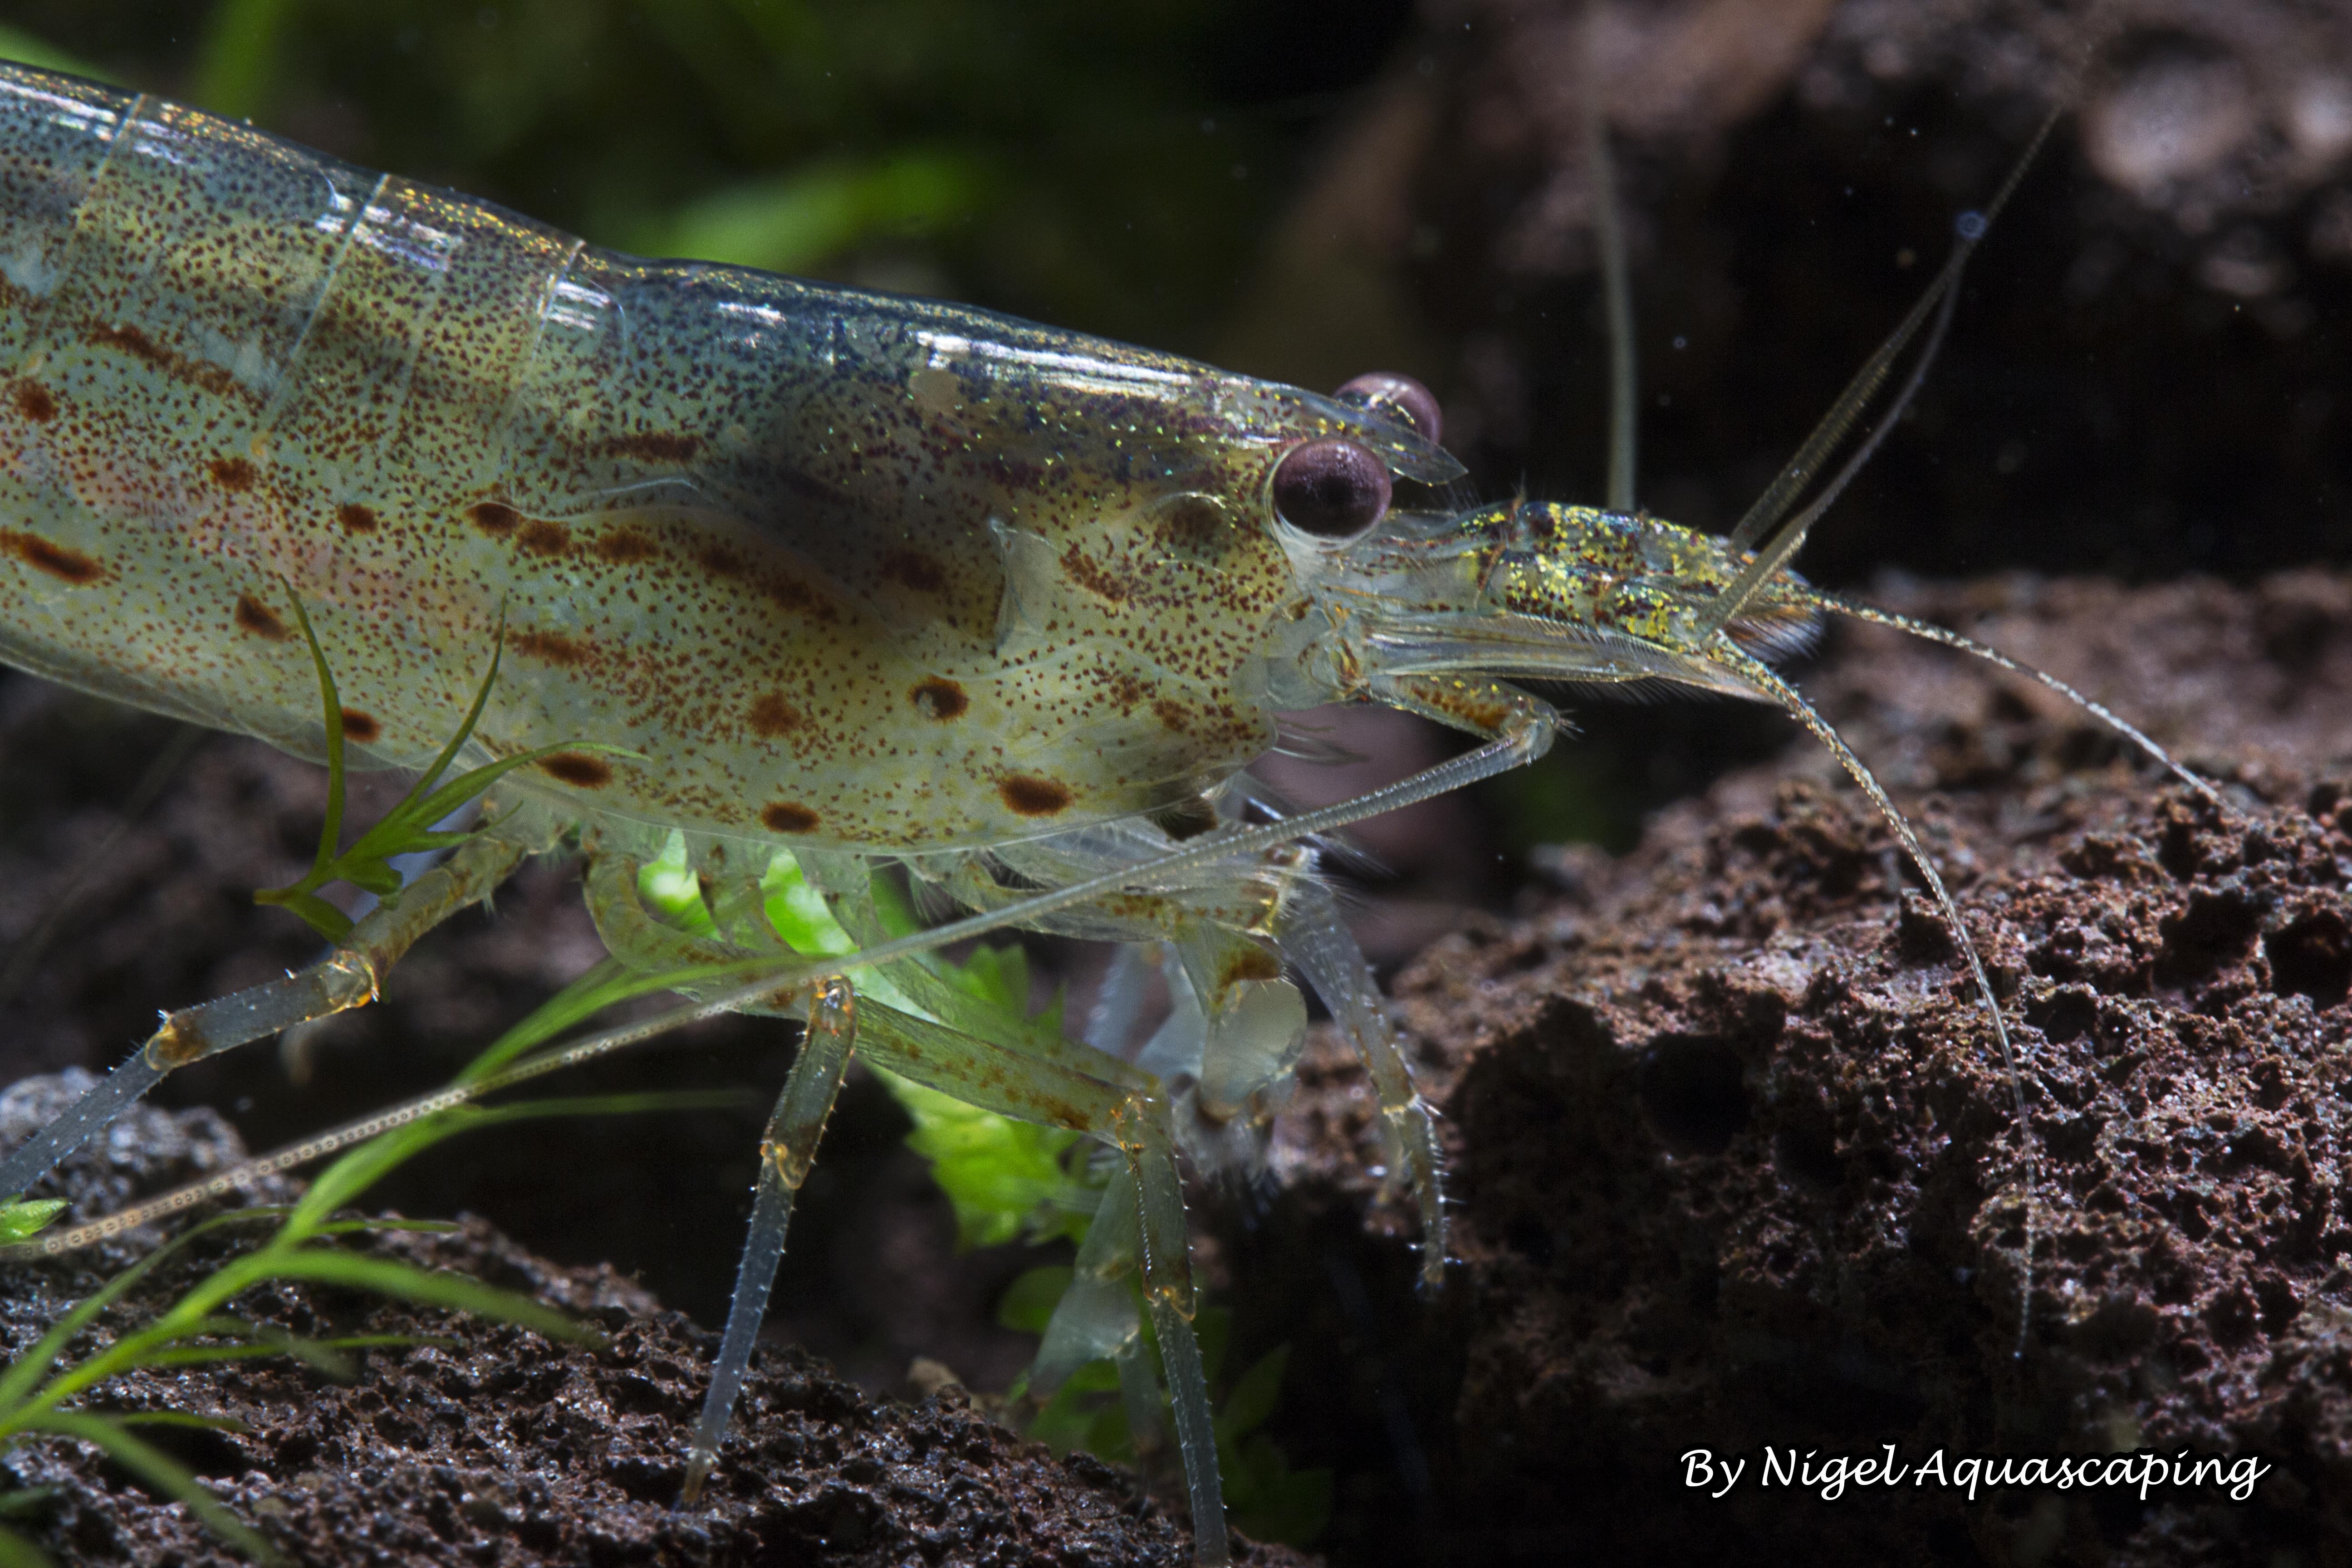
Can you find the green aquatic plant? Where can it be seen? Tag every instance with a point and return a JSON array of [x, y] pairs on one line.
[[1009, 1180], [44, 1391], [412, 826]]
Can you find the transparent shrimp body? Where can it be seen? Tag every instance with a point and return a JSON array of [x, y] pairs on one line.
[[866, 581], [851, 576]]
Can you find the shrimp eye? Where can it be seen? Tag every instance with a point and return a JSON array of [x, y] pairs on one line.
[[1330, 489], [1395, 397]]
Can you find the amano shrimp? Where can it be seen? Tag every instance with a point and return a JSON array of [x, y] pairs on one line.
[[790, 570]]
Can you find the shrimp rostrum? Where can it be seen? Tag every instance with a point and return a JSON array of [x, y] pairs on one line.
[[888, 587]]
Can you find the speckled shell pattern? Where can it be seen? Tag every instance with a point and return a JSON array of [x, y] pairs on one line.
[[842, 569]]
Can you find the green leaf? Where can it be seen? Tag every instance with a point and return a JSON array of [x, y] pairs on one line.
[[793, 221], [1028, 1303], [1254, 1396], [340, 1184], [16, 1551], [668, 885], [409, 826], [239, 61], [25, 49], [1278, 1503], [159, 1470], [389, 1223], [604, 985], [456, 1292], [182, 1418], [26, 1218], [25, 1373], [1003, 1176], [798, 911]]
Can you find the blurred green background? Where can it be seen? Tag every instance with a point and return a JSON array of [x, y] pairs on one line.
[[1110, 168]]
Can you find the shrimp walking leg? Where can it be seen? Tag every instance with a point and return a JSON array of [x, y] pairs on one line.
[[1316, 940], [346, 978], [993, 1061], [787, 1151]]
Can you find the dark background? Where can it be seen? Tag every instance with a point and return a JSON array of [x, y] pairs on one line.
[[2144, 380]]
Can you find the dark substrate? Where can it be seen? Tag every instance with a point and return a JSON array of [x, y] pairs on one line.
[[493, 1445], [1734, 1159]]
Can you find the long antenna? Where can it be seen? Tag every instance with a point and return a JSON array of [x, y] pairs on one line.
[[1616, 288], [1756, 530]]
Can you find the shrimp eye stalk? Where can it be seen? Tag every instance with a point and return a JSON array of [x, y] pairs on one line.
[[1397, 397]]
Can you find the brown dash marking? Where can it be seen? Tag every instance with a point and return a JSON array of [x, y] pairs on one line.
[[70, 565], [913, 569], [355, 518], [494, 518], [139, 345], [771, 717], [940, 697], [361, 727], [259, 619], [796, 595], [1029, 796], [654, 447], [719, 561], [786, 817], [578, 769], [554, 648], [232, 473], [34, 402], [542, 537], [1082, 570], [625, 546]]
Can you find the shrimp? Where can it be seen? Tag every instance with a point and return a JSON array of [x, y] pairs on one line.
[[839, 581]]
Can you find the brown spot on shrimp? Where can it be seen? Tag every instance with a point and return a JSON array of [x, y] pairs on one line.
[[212, 378], [796, 595], [1027, 796], [67, 565], [236, 474], [939, 698], [625, 546], [542, 537], [361, 727], [552, 647], [773, 717], [913, 569], [654, 447], [493, 517], [719, 560], [356, 519], [251, 615], [1249, 962], [577, 769], [1171, 714], [34, 402], [1082, 569], [785, 817]]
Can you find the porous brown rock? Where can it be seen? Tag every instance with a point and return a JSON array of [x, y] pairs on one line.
[[1736, 1160]]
